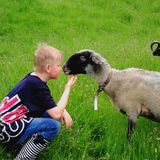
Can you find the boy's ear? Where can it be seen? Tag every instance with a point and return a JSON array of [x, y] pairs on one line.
[[47, 68]]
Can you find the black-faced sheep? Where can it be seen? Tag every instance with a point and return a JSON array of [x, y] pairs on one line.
[[135, 92], [155, 47]]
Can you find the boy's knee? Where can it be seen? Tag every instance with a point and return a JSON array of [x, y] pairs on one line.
[[55, 129], [51, 129], [57, 126]]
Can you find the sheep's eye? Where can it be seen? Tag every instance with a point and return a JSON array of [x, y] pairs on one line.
[[82, 58]]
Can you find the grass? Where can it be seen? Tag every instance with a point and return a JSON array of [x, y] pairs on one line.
[[121, 31]]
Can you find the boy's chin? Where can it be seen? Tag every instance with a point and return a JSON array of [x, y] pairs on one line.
[[54, 77]]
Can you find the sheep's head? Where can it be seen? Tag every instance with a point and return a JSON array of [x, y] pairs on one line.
[[84, 62], [155, 47]]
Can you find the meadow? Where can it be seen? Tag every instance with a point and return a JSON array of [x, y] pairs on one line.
[[121, 31]]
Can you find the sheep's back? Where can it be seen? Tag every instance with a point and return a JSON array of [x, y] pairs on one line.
[[135, 87]]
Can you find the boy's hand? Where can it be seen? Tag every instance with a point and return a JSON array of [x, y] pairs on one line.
[[67, 119], [71, 80]]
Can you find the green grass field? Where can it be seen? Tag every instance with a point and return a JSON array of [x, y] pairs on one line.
[[121, 31]]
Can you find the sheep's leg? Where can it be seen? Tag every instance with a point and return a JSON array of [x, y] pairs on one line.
[[131, 126], [132, 118]]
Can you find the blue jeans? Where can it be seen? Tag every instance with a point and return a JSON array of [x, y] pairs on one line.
[[44, 126]]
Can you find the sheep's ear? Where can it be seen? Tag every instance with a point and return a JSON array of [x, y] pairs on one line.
[[96, 60], [82, 58]]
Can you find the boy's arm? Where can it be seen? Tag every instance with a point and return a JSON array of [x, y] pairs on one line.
[[67, 119], [58, 111]]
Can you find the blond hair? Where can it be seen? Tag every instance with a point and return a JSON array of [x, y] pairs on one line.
[[46, 54]]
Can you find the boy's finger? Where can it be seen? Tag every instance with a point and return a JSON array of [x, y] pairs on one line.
[[62, 120]]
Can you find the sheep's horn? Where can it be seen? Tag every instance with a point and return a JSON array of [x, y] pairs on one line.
[[155, 42]]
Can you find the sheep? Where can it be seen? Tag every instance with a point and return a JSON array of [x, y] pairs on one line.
[[134, 92], [155, 50]]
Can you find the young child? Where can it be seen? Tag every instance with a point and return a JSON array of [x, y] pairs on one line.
[[28, 114]]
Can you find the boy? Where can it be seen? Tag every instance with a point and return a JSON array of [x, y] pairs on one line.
[[28, 114]]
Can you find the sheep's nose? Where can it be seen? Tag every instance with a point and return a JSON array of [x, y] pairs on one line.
[[64, 67]]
